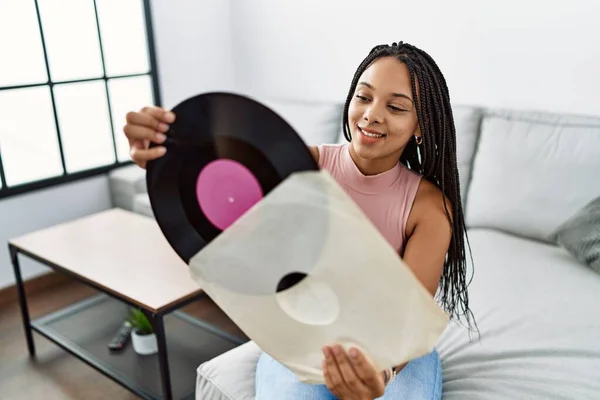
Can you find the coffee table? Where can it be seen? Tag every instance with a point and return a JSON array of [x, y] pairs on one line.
[[126, 257]]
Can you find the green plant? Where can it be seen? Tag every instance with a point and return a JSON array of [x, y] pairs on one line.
[[139, 322]]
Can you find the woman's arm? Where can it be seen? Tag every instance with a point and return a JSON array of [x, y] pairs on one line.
[[428, 233], [314, 151]]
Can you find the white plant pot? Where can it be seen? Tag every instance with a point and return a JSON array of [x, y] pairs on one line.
[[144, 344]]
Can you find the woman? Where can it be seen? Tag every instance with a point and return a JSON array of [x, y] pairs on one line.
[[400, 168]]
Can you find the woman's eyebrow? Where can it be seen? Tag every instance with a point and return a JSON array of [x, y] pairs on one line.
[[393, 94]]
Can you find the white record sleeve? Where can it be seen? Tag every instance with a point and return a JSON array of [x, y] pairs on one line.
[[304, 268]]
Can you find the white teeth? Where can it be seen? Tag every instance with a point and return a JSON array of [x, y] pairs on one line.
[[373, 135]]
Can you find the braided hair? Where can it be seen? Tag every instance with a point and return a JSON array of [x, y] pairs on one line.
[[434, 158]]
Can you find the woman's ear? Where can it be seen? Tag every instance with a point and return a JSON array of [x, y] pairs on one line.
[[417, 133], [417, 136]]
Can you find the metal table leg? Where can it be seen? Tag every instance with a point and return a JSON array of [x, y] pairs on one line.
[[22, 299], [163, 359]]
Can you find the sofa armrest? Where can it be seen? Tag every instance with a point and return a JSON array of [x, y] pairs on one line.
[[141, 205], [229, 376], [125, 183]]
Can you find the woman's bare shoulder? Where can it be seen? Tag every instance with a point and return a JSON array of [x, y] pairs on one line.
[[430, 198], [428, 207]]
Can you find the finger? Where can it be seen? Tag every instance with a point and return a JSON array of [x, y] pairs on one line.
[[365, 371], [334, 388], [140, 144], [347, 372], [327, 375], [146, 120], [136, 132], [331, 368], [159, 114], [142, 155]]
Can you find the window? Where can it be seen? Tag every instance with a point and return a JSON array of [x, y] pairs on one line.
[[70, 71]]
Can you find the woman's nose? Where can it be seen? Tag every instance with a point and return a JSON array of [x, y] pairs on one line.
[[372, 115]]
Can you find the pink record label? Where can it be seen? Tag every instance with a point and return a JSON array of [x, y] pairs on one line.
[[225, 190]]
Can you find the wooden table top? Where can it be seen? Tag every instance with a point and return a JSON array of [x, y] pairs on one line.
[[123, 252]]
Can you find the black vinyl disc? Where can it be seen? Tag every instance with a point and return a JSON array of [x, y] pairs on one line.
[[224, 151]]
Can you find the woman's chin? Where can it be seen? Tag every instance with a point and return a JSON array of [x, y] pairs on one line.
[[366, 152], [375, 152]]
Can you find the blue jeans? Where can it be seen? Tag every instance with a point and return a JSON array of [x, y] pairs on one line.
[[420, 379]]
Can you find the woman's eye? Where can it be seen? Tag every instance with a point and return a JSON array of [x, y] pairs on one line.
[[362, 98], [396, 109]]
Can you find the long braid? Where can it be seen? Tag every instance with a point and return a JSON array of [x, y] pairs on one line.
[[434, 158]]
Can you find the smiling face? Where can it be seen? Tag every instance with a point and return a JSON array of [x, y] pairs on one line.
[[381, 115]]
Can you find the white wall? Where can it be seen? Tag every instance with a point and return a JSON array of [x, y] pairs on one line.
[[515, 53], [194, 55], [193, 46]]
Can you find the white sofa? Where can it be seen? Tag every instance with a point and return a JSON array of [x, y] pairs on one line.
[[537, 306]]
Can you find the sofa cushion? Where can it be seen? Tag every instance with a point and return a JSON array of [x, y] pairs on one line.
[[315, 122], [532, 171], [467, 121], [230, 376], [536, 308], [580, 235]]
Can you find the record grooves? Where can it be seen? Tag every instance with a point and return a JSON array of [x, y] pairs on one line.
[[224, 152]]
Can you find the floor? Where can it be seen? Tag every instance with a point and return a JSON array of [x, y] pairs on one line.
[[54, 374]]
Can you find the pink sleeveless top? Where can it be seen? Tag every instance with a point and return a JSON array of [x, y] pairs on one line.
[[385, 198]]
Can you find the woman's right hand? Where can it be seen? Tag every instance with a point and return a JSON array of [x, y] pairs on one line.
[[145, 126]]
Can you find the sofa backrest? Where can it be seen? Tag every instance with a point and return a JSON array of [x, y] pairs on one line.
[[320, 123], [467, 121], [532, 170], [522, 172], [315, 122]]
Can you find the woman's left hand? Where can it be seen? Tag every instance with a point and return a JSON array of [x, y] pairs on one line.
[[350, 376]]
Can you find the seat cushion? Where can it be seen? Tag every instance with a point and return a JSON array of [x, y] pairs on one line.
[[532, 171], [229, 376], [537, 310]]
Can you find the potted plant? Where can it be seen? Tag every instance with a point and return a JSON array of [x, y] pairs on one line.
[[143, 337]]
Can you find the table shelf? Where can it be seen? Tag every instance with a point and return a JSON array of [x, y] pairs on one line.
[[85, 329]]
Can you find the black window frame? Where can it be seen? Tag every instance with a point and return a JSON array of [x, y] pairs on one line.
[[67, 177]]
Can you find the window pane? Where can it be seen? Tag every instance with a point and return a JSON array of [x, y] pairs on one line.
[[21, 51], [84, 125], [123, 29], [71, 39], [28, 135], [127, 94]]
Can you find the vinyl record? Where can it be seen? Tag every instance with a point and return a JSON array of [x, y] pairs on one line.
[[224, 153]]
